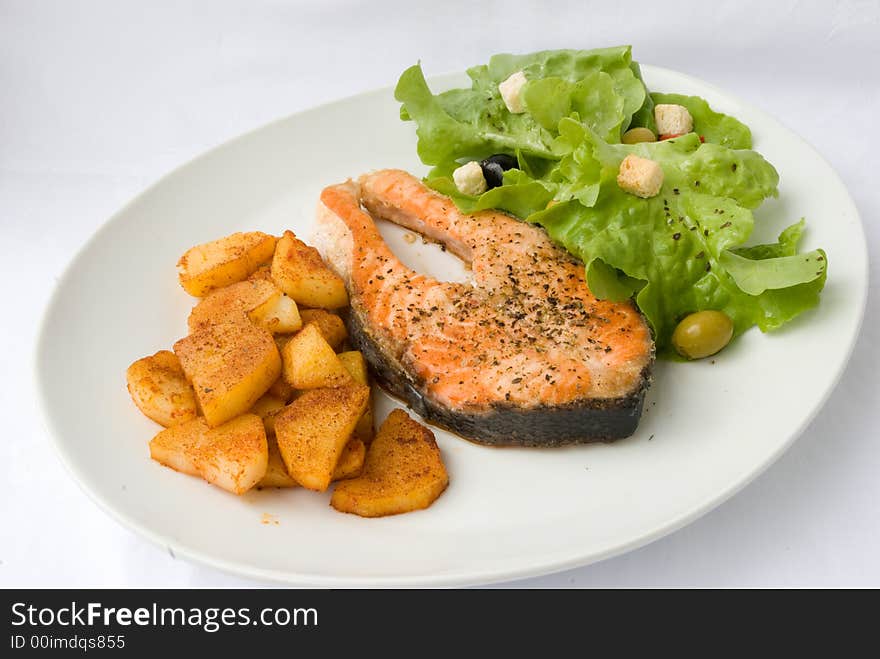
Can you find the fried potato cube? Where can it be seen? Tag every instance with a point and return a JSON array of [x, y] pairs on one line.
[[313, 430], [267, 408], [177, 446], [232, 303], [233, 456], [222, 262], [331, 326], [276, 472], [278, 315], [159, 388], [310, 363], [349, 466], [365, 429], [351, 462], [280, 389], [356, 365], [403, 472], [230, 366], [282, 339], [258, 301], [263, 272], [301, 273]]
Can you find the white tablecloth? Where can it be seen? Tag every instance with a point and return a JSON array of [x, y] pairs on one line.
[[99, 99]]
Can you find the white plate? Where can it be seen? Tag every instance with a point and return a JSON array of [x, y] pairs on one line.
[[708, 429]]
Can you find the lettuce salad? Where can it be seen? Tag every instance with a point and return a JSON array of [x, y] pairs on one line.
[[676, 253]]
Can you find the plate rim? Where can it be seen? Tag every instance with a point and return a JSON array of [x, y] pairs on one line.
[[461, 577]]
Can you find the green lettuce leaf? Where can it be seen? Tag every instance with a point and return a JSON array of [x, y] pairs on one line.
[[756, 276], [576, 66], [786, 245], [593, 99], [520, 195], [609, 283], [673, 250], [601, 87], [466, 124], [775, 265], [689, 165], [713, 126]]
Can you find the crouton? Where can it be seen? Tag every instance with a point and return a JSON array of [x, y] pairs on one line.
[[640, 176]]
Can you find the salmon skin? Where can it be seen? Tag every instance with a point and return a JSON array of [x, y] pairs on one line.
[[523, 355]]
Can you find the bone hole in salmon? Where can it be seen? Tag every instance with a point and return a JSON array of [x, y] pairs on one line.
[[423, 256]]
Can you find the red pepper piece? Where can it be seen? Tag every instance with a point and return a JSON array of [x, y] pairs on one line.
[[669, 137]]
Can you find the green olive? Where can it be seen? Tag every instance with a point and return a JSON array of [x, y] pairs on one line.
[[702, 334], [636, 135]]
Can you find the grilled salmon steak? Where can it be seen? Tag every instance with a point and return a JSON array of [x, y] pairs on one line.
[[523, 355]]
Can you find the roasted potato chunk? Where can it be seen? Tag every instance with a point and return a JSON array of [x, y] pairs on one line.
[[267, 408], [230, 366], [403, 472], [276, 472], [350, 464], [278, 315], [301, 273], [331, 326], [159, 388], [365, 429], [281, 340], [263, 272], [310, 363], [356, 365], [219, 263], [231, 303], [313, 430], [257, 301], [233, 456], [280, 389]]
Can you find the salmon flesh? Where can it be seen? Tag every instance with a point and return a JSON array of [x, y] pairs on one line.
[[523, 355]]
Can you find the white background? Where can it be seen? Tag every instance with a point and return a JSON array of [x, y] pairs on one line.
[[99, 99]]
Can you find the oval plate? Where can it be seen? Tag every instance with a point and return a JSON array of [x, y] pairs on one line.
[[709, 427]]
